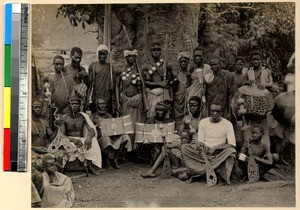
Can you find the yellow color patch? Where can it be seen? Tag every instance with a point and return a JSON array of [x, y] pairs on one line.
[[7, 102]]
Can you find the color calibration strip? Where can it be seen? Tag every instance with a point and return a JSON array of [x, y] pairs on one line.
[[15, 87]]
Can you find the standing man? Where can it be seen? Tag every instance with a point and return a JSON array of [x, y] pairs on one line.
[[157, 73], [180, 88], [129, 89], [61, 84], [101, 79], [197, 86], [216, 138], [79, 74], [218, 86], [258, 74], [238, 75]]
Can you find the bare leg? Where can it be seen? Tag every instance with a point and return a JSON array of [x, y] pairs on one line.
[[151, 172]]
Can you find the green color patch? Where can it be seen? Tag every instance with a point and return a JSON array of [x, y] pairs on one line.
[[7, 67]]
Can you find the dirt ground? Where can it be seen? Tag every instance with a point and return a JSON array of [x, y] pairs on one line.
[[126, 188]]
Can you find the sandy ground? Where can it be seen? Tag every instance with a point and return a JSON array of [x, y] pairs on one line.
[[126, 188]]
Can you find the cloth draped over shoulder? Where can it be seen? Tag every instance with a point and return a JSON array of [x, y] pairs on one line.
[[59, 193], [264, 77], [61, 143], [61, 86], [101, 81], [197, 79]]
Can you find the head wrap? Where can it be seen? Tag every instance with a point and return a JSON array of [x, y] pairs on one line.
[[183, 55], [101, 47], [130, 52]]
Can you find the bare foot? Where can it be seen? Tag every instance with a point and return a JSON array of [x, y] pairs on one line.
[[148, 175]]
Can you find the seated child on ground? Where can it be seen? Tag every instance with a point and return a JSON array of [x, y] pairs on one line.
[[57, 188], [173, 151], [260, 151]]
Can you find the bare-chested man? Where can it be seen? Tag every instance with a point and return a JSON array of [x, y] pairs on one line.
[[80, 130]]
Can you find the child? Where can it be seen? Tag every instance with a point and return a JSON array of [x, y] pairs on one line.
[[57, 189], [260, 151], [174, 153]]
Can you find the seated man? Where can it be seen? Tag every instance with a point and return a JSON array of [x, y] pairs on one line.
[[162, 115], [217, 136], [112, 144], [191, 121], [78, 138], [260, 151], [174, 152], [57, 189]]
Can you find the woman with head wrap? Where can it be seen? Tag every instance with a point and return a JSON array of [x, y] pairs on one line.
[[129, 89], [101, 77]]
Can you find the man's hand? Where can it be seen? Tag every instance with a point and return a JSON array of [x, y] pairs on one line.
[[164, 83], [77, 142], [88, 144], [249, 82], [261, 87], [211, 151], [81, 74]]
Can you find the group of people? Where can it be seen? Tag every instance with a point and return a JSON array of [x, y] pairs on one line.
[[196, 96]]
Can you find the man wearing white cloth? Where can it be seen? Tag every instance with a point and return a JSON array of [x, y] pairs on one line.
[[78, 137]]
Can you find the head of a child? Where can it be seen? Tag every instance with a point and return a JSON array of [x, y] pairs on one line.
[[257, 133], [186, 136], [49, 164]]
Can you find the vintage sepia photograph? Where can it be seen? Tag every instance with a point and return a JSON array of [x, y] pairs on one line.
[[163, 105]]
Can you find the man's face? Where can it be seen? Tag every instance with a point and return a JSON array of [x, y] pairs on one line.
[[155, 53], [239, 65], [215, 112], [58, 64], [37, 109], [198, 57], [49, 166], [214, 65], [102, 55], [184, 62], [256, 61], [160, 114], [256, 134], [130, 59], [194, 107], [75, 106], [101, 105], [76, 59]]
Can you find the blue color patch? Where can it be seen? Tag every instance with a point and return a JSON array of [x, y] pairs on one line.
[[8, 23]]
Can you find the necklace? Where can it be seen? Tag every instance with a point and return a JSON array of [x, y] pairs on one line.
[[125, 75]]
